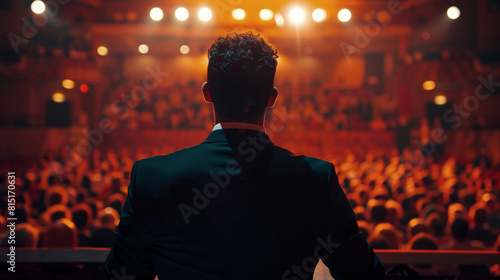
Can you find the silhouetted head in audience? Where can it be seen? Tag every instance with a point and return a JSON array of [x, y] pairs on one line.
[[116, 201], [56, 212], [436, 223], [422, 241], [56, 195], [62, 234], [389, 233], [82, 216], [378, 243], [460, 230], [415, 226], [456, 211], [26, 236], [478, 215], [240, 77], [108, 218]]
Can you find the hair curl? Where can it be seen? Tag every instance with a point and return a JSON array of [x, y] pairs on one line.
[[240, 74]]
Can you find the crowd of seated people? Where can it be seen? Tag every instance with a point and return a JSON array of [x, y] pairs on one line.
[[182, 106], [399, 203]]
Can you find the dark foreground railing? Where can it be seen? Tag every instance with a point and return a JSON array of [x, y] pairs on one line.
[[86, 263]]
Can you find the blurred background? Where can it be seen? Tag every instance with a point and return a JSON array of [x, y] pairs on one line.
[[402, 96]]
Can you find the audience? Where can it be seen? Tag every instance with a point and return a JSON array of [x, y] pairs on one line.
[[434, 205]]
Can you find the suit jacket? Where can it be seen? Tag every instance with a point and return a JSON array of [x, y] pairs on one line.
[[237, 207]]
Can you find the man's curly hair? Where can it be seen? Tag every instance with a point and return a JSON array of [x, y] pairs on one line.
[[240, 75]]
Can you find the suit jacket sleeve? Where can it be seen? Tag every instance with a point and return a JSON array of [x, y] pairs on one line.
[[128, 256], [349, 257]]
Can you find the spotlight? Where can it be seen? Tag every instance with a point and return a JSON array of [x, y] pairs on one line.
[[266, 14], [156, 14], [102, 50], [143, 48], [238, 14], [429, 85], [58, 97], [205, 14], [280, 20], [453, 12], [84, 88], [319, 15], [181, 14], [297, 15], [184, 49], [344, 15], [440, 99], [68, 84], [38, 7]]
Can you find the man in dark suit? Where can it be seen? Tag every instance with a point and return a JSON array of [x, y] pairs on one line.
[[236, 206]]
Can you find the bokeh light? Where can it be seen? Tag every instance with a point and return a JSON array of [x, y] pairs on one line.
[[38, 7], [156, 14], [319, 15], [184, 49], [102, 51], [429, 85], [84, 88], [143, 48], [440, 99], [68, 84], [181, 14], [453, 12], [58, 97], [239, 14], [344, 15], [297, 15], [205, 14], [266, 14], [280, 20]]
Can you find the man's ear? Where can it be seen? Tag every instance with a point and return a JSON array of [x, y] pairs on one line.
[[272, 98], [206, 93]]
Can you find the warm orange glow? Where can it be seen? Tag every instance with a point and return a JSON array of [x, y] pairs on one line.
[[280, 20], [102, 50], [68, 84], [156, 14], [297, 15], [429, 85], [58, 97], [440, 99]]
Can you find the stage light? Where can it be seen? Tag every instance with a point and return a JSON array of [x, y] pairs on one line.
[[238, 14], [58, 97], [181, 14], [184, 49], [84, 88], [429, 85], [266, 14], [453, 12], [280, 20], [344, 15], [38, 7], [102, 50], [205, 14], [68, 84], [319, 15], [143, 48], [297, 15], [156, 14], [131, 16], [440, 99]]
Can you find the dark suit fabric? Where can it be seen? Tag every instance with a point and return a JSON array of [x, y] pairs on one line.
[[237, 207]]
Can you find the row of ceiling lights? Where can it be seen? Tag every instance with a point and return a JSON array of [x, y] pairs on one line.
[[142, 48], [296, 15]]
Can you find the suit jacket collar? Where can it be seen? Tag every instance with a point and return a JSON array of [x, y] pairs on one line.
[[225, 135]]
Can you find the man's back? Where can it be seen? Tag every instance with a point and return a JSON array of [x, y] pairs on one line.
[[238, 207]]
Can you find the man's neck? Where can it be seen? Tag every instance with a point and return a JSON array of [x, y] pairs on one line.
[[219, 119]]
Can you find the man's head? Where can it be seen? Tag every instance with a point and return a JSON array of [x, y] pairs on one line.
[[240, 76]]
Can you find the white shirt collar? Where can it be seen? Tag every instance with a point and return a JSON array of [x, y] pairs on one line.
[[238, 125]]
